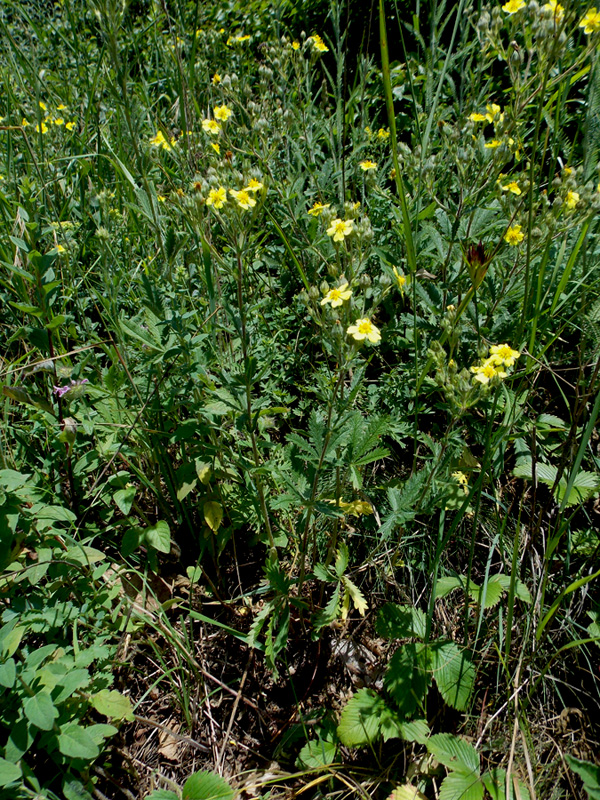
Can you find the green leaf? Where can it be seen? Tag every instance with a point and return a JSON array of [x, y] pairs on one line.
[[10, 638], [358, 599], [495, 783], [159, 537], [74, 741], [317, 754], [341, 561], [213, 515], [40, 711], [360, 722], [112, 704], [207, 786], [417, 730], [454, 753], [459, 786], [400, 622], [185, 488], [407, 792], [446, 585], [408, 676], [124, 499], [162, 794], [493, 592], [9, 772], [454, 674], [8, 673], [589, 774], [203, 471]]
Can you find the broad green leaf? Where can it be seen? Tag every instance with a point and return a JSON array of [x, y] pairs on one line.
[[459, 786], [454, 674], [207, 786], [589, 774], [545, 473], [75, 790], [100, 732], [9, 772], [74, 741], [112, 704], [159, 537], [454, 753], [360, 722], [317, 754], [417, 730], [8, 673], [400, 622], [493, 593], [83, 554], [10, 638], [407, 792], [213, 515], [185, 488], [124, 499], [162, 794], [40, 711], [341, 561], [408, 676], [203, 471], [495, 783], [445, 585]]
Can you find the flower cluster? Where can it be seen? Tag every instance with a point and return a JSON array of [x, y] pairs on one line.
[[50, 118], [500, 356], [244, 197]]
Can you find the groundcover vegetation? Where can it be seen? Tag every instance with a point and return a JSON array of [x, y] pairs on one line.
[[299, 467]]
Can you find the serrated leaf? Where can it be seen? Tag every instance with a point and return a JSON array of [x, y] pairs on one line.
[[454, 753], [493, 593], [545, 473], [358, 598], [9, 772], [40, 711], [458, 786], [207, 786], [407, 792], [446, 585], [454, 674], [417, 730], [213, 515], [360, 719], [341, 561], [408, 676], [584, 486], [159, 537], [124, 499], [112, 704], [316, 754], [330, 612], [75, 742], [162, 794], [400, 622], [589, 774]]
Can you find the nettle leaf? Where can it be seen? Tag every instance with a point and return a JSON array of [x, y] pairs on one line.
[[360, 722], [408, 676], [459, 786], [112, 704], [454, 753], [400, 622], [40, 711], [74, 741], [454, 674], [207, 786], [495, 782]]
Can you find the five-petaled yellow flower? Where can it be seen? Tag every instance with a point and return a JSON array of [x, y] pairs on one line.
[[254, 185], [211, 126], [337, 296], [217, 197], [590, 21], [244, 200], [487, 371], [555, 8], [340, 228], [514, 235], [59, 121], [158, 140], [364, 329], [476, 117], [69, 126], [513, 187], [513, 6], [295, 45], [493, 111], [503, 354], [222, 113], [318, 209], [367, 165], [319, 44], [572, 199]]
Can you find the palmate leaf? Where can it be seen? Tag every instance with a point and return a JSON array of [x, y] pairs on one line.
[[454, 674]]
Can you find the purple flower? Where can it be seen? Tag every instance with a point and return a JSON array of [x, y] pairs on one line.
[[61, 391]]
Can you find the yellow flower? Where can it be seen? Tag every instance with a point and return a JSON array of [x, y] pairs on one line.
[[216, 148], [69, 126], [217, 197], [572, 199], [295, 45], [24, 123], [254, 185], [222, 113], [158, 140], [364, 329], [368, 131], [43, 106], [503, 354], [319, 44], [493, 111], [513, 6], [216, 78], [591, 21], [211, 126], [367, 165], [400, 279], [244, 200], [476, 117], [60, 249], [462, 480], [161, 198], [42, 128], [357, 507], [318, 209], [493, 144], [337, 296], [61, 107], [383, 133], [513, 187], [557, 11], [59, 121], [356, 206], [513, 235], [486, 372], [340, 228]]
